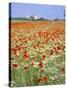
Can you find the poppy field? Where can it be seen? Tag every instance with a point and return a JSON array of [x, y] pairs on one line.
[[37, 53]]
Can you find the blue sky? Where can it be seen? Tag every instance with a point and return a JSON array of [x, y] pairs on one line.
[[41, 10]]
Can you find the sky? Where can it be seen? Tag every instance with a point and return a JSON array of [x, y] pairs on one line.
[[40, 10]]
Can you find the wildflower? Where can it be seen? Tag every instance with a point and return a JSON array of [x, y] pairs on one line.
[[58, 48], [32, 63], [45, 78], [40, 64], [13, 50], [18, 48], [43, 57], [14, 65], [55, 50], [39, 79], [25, 55], [35, 47], [40, 33]]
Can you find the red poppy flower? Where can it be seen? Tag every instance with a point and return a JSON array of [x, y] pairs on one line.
[[13, 50], [58, 48], [45, 78], [55, 50], [40, 65], [25, 55], [32, 63], [43, 57], [18, 48], [40, 33], [34, 47], [39, 79], [15, 65]]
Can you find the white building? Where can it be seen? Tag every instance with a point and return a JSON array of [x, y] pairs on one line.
[[28, 17], [34, 17]]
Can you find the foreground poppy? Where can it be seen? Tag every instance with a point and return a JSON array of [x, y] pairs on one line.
[[40, 64], [13, 50], [45, 78], [14, 65], [25, 55], [39, 79], [43, 57]]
